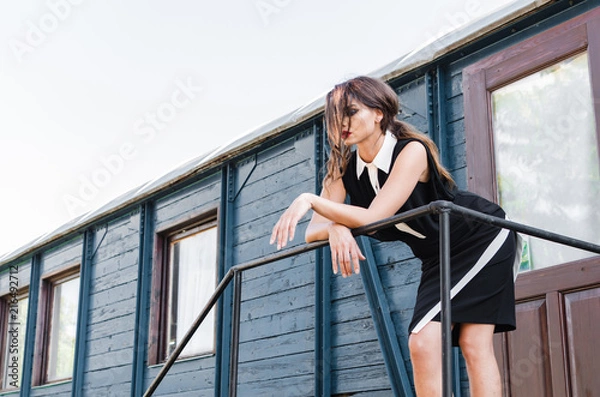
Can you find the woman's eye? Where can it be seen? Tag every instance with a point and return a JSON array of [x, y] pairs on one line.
[[351, 112]]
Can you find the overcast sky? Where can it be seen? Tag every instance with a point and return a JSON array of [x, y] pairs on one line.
[[98, 97]]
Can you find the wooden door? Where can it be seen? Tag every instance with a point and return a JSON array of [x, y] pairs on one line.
[[555, 350]]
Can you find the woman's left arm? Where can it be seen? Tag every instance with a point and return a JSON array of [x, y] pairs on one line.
[[409, 168]]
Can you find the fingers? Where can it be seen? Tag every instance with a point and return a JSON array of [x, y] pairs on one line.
[[284, 230], [345, 253], [279, 234], [283, 235], [334, 264], [347, 260], [274, 233], [357, 258], [341, 259]]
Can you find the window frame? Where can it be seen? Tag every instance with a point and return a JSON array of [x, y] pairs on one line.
[[44, 322], [575, 36], [157, 333], [4, 312]]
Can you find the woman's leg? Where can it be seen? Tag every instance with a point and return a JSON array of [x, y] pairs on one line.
[[476, 344], [426, 357]]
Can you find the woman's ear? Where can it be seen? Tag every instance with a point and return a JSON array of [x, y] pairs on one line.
[[379, 115]]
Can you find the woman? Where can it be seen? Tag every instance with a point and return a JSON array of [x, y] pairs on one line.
[[393, 169]]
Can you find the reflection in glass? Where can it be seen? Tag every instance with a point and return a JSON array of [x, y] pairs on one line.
[[546, 157], [63, 330], [192, 269]]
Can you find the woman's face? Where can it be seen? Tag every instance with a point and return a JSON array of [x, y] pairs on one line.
[[360, 123]]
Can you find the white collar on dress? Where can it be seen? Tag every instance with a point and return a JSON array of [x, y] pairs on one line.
[[383, 158]]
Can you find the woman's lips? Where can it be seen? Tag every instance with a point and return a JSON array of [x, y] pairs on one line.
[[346, 134]]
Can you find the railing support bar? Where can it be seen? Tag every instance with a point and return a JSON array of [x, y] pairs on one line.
[[518, 227], [235, 334], [186, 338], [384, 325], [445, 302]]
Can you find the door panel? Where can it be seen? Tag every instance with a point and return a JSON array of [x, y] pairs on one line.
[[582, 322], [528, 363], [555, 350]]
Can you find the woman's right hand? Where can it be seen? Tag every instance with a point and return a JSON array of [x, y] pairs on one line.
[[345, 253]]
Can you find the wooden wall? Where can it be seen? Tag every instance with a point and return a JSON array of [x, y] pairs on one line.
[[111, 315]]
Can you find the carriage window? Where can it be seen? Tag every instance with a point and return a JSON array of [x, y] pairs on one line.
[[546, 157], [64, 299], [184, 277], [532, 135], [192, 265]]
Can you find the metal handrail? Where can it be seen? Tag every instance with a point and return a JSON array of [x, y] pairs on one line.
[[443, 208]]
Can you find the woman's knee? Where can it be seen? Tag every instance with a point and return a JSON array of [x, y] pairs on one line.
[[424, 344], [476, 342]]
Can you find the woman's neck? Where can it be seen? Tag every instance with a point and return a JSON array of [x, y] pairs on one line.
[[369, 148]]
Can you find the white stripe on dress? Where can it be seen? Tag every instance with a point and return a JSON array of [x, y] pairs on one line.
[[488, 254], [403, 227]]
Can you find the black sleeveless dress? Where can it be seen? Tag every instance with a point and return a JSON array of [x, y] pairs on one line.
[[482, 257]]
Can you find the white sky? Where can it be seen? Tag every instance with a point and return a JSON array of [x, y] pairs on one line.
[[98, 97]]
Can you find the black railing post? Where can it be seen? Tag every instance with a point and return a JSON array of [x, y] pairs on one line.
[[445, 302], [235, 333]]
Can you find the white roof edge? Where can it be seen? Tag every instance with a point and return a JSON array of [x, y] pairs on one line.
[[421, 56], [430, 52]]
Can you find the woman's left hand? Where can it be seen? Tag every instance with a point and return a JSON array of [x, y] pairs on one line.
[[285, 228]]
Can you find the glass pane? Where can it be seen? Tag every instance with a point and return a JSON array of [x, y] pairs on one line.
[[63, 329], [193, 276], [546, 155], [15, 343]]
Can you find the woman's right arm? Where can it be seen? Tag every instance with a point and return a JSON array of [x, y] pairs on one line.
[[318, 228], [345, 252]]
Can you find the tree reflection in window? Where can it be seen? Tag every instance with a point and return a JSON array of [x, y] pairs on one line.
[[192, 278], [546, 156], [63, 329]]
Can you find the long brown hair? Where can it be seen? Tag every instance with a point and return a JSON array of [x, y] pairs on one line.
[[374, 94]]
